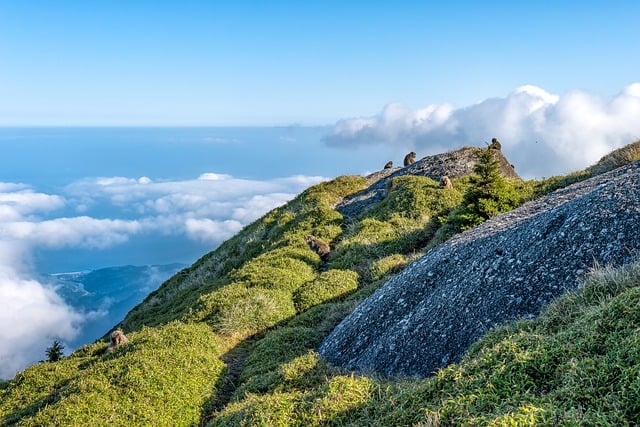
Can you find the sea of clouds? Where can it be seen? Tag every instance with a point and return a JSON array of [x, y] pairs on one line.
[[209, 208], [543, 134]]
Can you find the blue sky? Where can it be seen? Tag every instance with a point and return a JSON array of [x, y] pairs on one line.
[[280, 62]]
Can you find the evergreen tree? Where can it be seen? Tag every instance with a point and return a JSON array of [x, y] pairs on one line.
[[489, 194], [54, 352]]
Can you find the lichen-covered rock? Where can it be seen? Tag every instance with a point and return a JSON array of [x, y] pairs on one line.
[[454, 164], [507, 268]]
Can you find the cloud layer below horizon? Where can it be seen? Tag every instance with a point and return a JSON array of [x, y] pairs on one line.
[[541, 133], [209, 209]]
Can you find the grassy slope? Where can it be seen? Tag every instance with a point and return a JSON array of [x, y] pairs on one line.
[[231, 339]]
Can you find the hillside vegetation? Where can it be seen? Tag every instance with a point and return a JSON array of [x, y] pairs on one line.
[[231, 340]]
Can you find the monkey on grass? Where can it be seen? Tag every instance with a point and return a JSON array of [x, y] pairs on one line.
[[117, 338], [318, 246], [445, 182]]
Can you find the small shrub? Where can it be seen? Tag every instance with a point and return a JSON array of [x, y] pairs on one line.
[[277, 347], [54, 353], [489, 194], [285, 269], [328, 285], [239, 311]]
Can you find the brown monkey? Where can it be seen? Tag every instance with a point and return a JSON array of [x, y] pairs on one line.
[[445, 182], [117, 338], [495, 144], [318, 246], [409, 158], [389, 165]]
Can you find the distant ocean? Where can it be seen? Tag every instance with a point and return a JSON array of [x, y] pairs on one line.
[[49, 157]]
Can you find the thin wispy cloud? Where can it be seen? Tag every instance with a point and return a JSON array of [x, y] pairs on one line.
[[543, 134], [109, 212]]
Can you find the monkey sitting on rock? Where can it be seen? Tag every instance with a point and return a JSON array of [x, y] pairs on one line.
[[495, 144], [117, 338], [389, 165], [318, 246], [409, 158]]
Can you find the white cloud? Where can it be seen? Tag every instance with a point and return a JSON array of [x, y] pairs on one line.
[[213, 177], [83, 231], [167, 205], [32, 315], [541, 133], [16, 201], [207, 230]]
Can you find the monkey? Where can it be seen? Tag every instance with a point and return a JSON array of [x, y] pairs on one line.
[[318, 246], [389, 165], [409, 158], [117, 338], [445, 182], [495, 144]]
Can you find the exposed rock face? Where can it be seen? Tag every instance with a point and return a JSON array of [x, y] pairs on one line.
[[454, 164], [507, 268]]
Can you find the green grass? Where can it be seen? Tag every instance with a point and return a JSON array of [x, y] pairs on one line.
[[577, 364], [163, 376]]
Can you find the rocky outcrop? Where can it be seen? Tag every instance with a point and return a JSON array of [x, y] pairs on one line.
[[507, 268], [454, 164]]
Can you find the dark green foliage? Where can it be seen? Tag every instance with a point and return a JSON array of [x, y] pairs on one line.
[[488, 195], [54, 353]]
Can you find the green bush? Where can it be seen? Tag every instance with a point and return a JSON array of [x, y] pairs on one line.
[[489, 194], [284, 269], [327, 286], [54, 353], [278, 347], [236, 310]]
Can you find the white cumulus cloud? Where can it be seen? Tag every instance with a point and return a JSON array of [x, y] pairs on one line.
[[543, 134], [32, 315]]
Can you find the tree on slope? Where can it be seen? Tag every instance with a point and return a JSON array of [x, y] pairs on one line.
[[489, 194], [54, 353]]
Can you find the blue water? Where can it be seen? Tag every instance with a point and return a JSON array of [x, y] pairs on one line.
[[49, 157]]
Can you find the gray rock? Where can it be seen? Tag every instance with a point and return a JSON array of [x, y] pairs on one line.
[[508, 268]]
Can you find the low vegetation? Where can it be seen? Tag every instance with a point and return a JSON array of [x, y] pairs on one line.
[[231, 340]]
